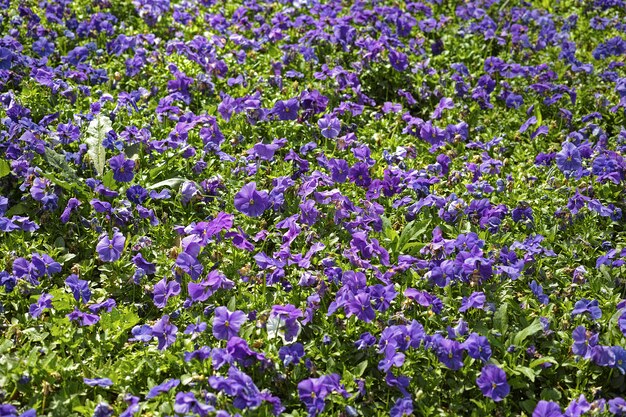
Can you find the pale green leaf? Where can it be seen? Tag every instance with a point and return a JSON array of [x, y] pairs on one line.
[[96, 132]]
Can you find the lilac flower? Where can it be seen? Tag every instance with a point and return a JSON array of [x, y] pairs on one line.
[[251, 202], [286, 109], [492, 382], [617, 406], [110, 249], [165, 332], [83, 319], [361, 306], [98, 382], [587, 306], [313, 391], [190, 265], [584, 341], [122, 168], [547, 409], [478, 347], [537, 289], [330, 126], [44, 302], [449, 352], [80, 288], [402, 407], [163, 290], [569, 159], [227, 324], [186, 403], [475, 300], [162, 388], [188, 190], [291, 354]]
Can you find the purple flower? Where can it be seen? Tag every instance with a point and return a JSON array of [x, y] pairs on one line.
[[402, 407], [72, 203], [162, 388], [313, 391], [187, 403], [251, 202], [359, 174], [584, 341], [569, 159], [577, 408], [617, 406], [98, 382], [361, 306], [190, 265], [287, 109], [449, 352], [587, 306], [44, 301], [122, 168], [339, 169], [109, 249], [80, 288], [478, 347], [492, 383], [291, 354], [537, 289], [547, 409], [163, 290], [165, 332], [330, 126], [83, 319], [188, 191], [141, 333], [476, 300], [622, 323], [227, 324]]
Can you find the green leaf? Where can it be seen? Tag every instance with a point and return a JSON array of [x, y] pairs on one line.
[[172, 182], [108, 180], [543, 360], [360, 368], [522, 335], [57, 161], [501, 318], [5, 168], [232, 303], [550, 394], [529, 373], [96, 132]]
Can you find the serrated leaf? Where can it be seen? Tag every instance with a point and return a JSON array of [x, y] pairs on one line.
[[96, 132], [57, 161]]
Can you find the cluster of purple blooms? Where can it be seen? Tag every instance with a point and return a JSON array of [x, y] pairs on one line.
[[358, 180]]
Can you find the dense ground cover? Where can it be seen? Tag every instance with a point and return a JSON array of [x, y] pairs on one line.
[[301, 208]]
